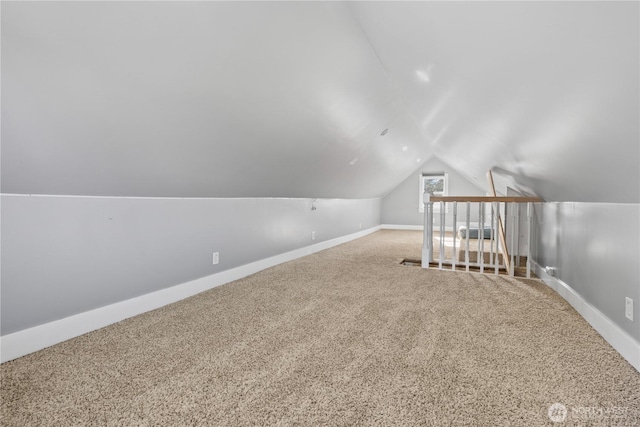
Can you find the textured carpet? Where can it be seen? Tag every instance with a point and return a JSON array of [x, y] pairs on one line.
[[347, 336]]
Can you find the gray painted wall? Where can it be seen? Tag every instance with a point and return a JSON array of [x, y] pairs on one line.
[[595, 248], [400, 206], [66, 255]]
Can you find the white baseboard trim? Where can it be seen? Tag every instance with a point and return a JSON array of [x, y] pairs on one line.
[[401, 227], [39, 337], [414, 227], [619, 339]]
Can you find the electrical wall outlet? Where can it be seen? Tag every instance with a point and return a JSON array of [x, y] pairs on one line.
[[313, 235], [216, 258], [628, 308]]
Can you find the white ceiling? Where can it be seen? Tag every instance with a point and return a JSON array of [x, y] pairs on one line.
[[266, 99], [544, 92]]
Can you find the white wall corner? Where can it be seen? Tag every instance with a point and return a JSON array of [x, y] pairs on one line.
[[39, 337], [618, 338]]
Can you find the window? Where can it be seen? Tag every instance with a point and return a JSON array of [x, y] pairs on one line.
[[436, 185]]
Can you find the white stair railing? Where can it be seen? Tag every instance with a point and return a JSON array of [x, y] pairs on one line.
[[427, 238], [489, 209]]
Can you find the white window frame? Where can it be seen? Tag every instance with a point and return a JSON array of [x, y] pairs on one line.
[[436, 206]]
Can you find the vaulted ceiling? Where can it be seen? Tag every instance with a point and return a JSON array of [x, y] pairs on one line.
[[292, 99]]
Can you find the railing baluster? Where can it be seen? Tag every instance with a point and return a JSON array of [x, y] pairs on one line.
[[512, 269], [454, 259], [442, 221], [466, 249], [518, 214], [427, 243], [494, 219], [491, 237], [481, 236], [529, 215]]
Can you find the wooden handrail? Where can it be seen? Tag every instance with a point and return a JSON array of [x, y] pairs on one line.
[[487, 199]]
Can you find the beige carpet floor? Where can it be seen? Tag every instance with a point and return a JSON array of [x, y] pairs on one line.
[[347, 336]]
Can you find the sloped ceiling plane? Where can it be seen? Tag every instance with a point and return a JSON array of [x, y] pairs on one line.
[[319, 99]]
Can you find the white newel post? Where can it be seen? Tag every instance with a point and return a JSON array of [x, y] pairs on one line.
[[514, 231], [529, 231], [441, 238], [427, 239]]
